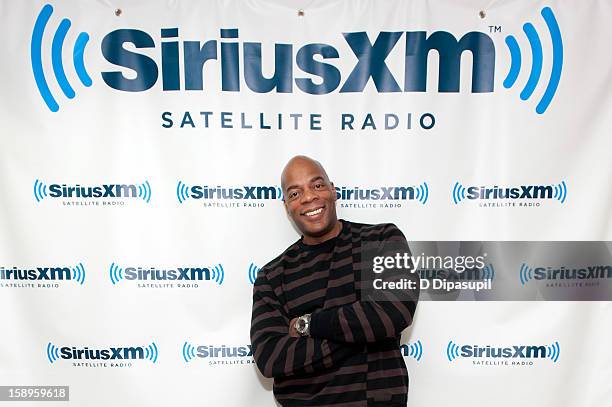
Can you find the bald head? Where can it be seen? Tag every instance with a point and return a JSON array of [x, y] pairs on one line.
[[310, 199], [300, 163]]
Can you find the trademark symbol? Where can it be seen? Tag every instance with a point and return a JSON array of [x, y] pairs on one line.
[[495, 29]]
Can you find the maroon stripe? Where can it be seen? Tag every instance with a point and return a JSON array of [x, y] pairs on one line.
[[344, 300], [341, 281], [386, 373], [324, 378], [309, 353], [325, 391], [290, 356], [363, 320], [277, 350], [318, 275], [306, 298], [346, 330], [389, 328]]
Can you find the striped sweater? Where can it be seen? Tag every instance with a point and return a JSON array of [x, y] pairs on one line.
[[352, 356]]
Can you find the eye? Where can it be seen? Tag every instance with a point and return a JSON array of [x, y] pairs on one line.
[[293, 194], [318, 185]]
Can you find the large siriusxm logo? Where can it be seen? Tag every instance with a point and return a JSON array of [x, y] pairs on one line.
[[246, 192], [540, 273], [57, 46], [74, 273], [556, 192], [514, 352], [537, 60], [118, 274], [138, 191], [217, 354], [180, 63], [148, 352], [419, 193]]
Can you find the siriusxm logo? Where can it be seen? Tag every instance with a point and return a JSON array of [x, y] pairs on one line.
[[413, 350], [552, 352], [179, 274], [252, 272], [254, 192], [415, 192], [189, 352], [56, 57], [527, 273], [553, 192], [147, 352], [62, 273], [138, 191], [486, 272], [182, 62]]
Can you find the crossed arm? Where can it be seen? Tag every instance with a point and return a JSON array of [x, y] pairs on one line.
[[335, 333]]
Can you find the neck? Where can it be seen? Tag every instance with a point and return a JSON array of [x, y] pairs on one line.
[[333, 232]]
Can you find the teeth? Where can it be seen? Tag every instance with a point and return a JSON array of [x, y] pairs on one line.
[[313, 213]]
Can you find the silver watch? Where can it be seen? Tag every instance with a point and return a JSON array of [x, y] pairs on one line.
[[302, 325]]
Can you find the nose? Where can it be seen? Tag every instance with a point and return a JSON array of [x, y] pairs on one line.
[[309, 195]]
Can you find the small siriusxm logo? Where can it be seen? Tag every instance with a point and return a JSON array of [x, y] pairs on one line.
[[486, 272], [100, 357], [218, 355], [513, 355], [247, 196], [413, 350], [109, 194], [556, 276], [383, 197], [43, 277], [57, 45], [179, 277], [252, 272], [123, 48], [522, 195]]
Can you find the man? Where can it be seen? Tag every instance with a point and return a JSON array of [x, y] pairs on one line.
[[313, 329]]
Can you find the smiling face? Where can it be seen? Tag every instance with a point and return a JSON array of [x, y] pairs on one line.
[[310, 199]]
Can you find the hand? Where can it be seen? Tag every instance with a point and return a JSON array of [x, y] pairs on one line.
[[292, 331]]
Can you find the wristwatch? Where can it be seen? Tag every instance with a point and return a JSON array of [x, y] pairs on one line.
[[302, 325]]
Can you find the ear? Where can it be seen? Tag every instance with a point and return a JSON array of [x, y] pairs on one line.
[[334, 191]]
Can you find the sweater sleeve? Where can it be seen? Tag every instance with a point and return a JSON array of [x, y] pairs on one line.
[[276, 353], [372, 318]]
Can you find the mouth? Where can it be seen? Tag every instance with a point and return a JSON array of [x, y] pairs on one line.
[[314, 213]]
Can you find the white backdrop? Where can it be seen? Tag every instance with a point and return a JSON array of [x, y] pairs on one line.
[[107, 136]]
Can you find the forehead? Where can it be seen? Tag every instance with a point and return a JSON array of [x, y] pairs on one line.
[[301, 172]]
